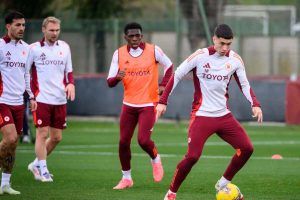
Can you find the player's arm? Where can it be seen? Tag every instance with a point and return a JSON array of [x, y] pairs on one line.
[[1, 50], [29, 62], [115, 75], [70, 88], [166, 63], [243, 83], [1, 54], [183, 69]]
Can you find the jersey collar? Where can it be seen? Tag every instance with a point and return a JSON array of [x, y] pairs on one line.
[[7, 39], [43, 42], [142, 46]]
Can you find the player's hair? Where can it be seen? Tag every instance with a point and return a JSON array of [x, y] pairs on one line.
[[132, 25], [50, 19], [13, 14], [223, 31]]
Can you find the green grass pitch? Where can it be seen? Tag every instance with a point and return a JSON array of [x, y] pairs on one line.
[[86, 165]]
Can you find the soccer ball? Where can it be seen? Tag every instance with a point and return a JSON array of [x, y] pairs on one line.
[[230, 192]]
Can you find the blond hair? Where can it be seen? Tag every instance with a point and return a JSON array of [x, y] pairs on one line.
[[50, 19]]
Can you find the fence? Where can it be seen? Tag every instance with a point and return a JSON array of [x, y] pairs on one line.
[[94, 41]]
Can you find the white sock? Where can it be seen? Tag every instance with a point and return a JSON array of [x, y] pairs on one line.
[[43, 166], [170, 192], [157, 159], [127, 174], [223, 182], [5, 179], [36, 162]]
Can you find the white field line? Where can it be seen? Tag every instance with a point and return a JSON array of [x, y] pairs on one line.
[[164, 131], [99, 146], [76, 153]]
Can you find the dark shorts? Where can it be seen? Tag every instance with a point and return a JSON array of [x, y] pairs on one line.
[[12, 115], [50, 115]]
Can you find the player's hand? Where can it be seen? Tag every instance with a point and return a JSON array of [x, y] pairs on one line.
[[121, 74], [33, 105], [70, 90], [161, 89], [160, 110], [257, 113]]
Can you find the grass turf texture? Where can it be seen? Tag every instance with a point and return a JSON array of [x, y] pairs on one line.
[[86, 165]]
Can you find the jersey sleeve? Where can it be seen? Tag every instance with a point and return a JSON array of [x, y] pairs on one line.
[[69, 67], [27, 76], [1, 50], [113, 70], [243, 83], [166, 63]]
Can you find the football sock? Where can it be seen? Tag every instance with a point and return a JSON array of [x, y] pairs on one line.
[[223, 182], [36, 162], [5, 179], [127, 174], [170, 192], [157, 159]]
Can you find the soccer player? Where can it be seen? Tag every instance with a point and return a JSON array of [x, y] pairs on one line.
[[52, 84], [136, 65], [212, 69], [14, 80]]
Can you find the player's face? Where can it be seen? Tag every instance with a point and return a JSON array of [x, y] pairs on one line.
[[51, 32], [16, 29], [134, 37], [222, 46]]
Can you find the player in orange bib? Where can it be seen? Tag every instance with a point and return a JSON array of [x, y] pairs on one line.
[[136, 65]]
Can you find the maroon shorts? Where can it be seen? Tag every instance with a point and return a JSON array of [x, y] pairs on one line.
[[50, 115], [12, 115]]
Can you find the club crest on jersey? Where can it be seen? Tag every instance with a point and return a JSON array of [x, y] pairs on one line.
[[228, 66], [206, 67]]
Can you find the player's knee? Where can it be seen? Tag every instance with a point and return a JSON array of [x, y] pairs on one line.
[[143, 142], [42, 134], [12, 140], [123, 143], [248, 150], [192, 159], [56, 139]]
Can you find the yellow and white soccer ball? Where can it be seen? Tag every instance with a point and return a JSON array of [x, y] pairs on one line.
[[230, 192]]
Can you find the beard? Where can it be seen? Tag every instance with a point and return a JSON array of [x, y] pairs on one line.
[[18, 36]]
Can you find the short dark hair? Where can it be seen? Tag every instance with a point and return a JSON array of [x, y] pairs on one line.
[[13, 14], [223, 31], [132, 25]]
